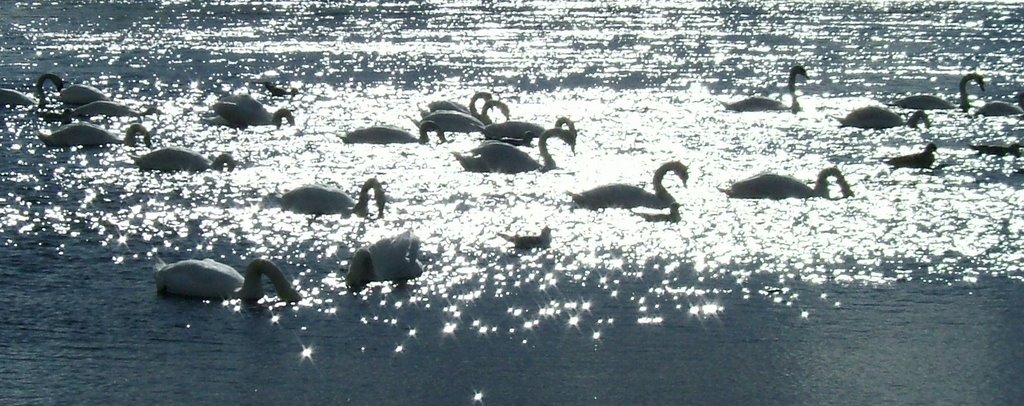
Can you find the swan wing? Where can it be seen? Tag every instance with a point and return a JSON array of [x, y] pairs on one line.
[[756, 104], [80, 134], [992, 109], [395, 258], [103, 108], [447, 105], [173, 159], [923, 102], [317, 199], [512, 130], [199, 278], [81, 94], [9, 97], [919, 160], [455, 121], [618, 196], [493, 156], [770, 186], [872, 117], [379, 135]]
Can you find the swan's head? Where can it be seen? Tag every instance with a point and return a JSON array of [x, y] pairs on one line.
[[52, 78], [495, 104], [280, 116], [485, 96], [565, 121], [677, 168], [919, 117], [930, 148], [132, 133], [360, 270], [562, 134], [224, 162], [798, 70], [973, 77], [426, 126]]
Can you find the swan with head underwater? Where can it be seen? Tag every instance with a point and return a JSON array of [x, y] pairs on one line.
[[174, 159], [999, 108], [499, 157], [390, 259], [242, 111], [393, 135], [90, 135], [210, 279], [878, 118], [520, 133], [457, 120], [618, 195], [322, 199], [442, 105], [11, 97], [772, 186], [759, 103], [929, 102]]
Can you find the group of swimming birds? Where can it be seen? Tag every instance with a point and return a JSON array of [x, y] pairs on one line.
[[396, 258]]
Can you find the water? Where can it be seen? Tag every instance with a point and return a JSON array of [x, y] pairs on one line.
[[909, 292]]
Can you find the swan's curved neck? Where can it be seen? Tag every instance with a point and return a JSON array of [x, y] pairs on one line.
[[362, 204], [425, 133], [821, 184], [486, 97], [485, 116], [47, 77], [659, 187], [549, 163], [280, 116], [917, 118], [964, 105], [252, 287], [131, 136]]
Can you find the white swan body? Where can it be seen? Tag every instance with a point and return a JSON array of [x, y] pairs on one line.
[[999, 108], [11, 97], [874, 117], [392, 135], [90, 135], [173, 159], [242, 111], [628, 196], [772, 186], [321, 199], [759, 103], [81, 94], [451, 121], [499, 157], [929, 102], [109, 109], [213, 280], [390, 259]]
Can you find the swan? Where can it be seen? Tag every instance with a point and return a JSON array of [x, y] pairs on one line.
[[11, 97], [172, 159], [108, 108], [923, 160], [517, 132], [874, 117], [624, 196], [278, 91], [241, 111], [928, 102], [1012, 149], [74, 94], [493, 156], [88, 135], [320, 199], [671, 217], [998, 108], [772, 186], [529, 242], [392, 135], [759, 103], [451, 121], [453, 106], [390, 259], [213, 280]]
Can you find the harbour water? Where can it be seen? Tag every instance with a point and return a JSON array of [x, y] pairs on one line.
[[909, 292]]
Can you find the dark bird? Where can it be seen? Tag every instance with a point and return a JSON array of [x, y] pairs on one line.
[[1012, 149], [278, 91], [527, 242], [671, 217], [922, 160]]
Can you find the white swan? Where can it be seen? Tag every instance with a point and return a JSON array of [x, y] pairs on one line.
[[11, 97], [929, 102], [624, 196], [213, 280], [171, 159], [874, 117], [320, 199], [499, 157], [451, 121], [921, 160], [517, 132], [74, 94], [241, 111], [89, 135], [110, 109], [759, 103], [390, 259], [772, 186], [998, 108], [392, 135], [453, 106]]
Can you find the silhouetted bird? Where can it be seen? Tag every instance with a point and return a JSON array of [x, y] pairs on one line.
[[526, 242], [1012, 149], [278, 91], [922, 160]]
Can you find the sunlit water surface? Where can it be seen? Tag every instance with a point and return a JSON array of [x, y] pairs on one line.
[[908, 292]]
